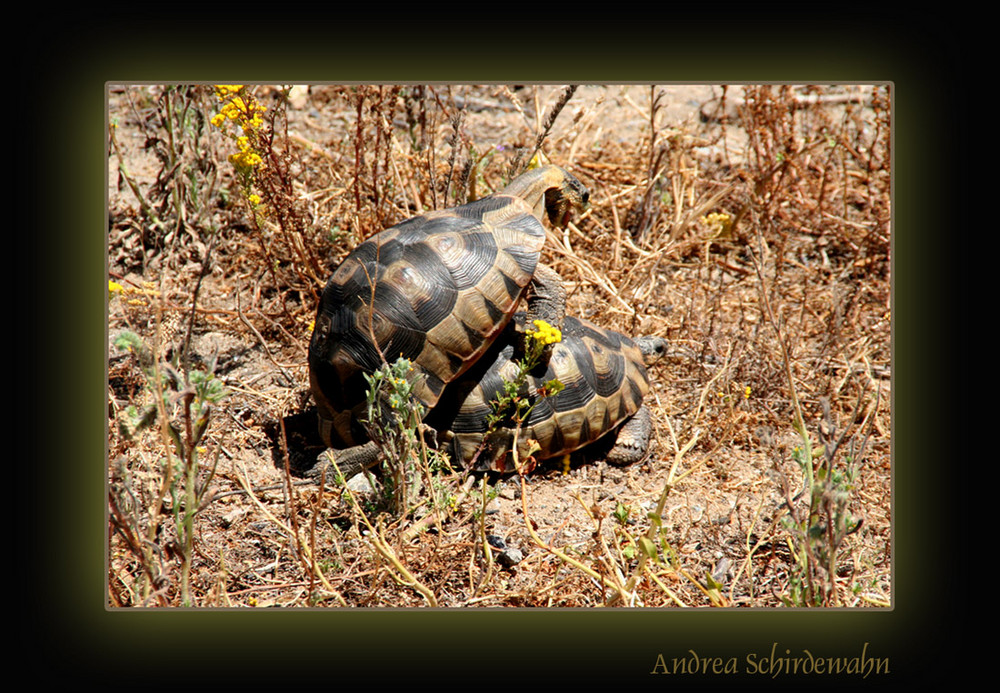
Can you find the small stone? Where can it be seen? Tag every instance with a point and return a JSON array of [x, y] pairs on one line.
[[510, 557], [509, 492], [496, 542], [360, 484], [230, 518]]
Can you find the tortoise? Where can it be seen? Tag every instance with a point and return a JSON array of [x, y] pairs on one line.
[[436, 289], [604, 380]]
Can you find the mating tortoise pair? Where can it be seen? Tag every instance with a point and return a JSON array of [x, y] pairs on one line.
[[441, 289]]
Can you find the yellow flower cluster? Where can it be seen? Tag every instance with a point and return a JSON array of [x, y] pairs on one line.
[[247, 114], [240, 108], [136, 294], [236, 108], [246, 157], [226, 90], [545, 333], [720, 222]]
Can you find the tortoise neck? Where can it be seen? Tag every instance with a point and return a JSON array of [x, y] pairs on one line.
[[532, 185]]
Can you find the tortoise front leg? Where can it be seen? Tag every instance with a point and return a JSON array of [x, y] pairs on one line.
[[546, 297], [632, 444]]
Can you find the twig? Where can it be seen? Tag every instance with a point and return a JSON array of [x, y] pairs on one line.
[[417, 527], [133, 186], [260, 337], [287, 530], [550, 119], [587, 269], [618, 589]]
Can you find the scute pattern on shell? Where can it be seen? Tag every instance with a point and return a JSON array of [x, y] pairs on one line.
[[445, 284], [604, 377]]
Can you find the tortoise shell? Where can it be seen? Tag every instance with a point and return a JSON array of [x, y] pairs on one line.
[[604, 380], [436, 289]]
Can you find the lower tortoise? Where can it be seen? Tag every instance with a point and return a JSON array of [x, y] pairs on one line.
[[604, 379]]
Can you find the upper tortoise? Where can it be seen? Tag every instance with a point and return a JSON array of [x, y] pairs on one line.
[[436, 289]]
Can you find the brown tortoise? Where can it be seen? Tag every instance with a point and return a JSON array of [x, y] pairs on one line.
[[604, 380], [436, 289]]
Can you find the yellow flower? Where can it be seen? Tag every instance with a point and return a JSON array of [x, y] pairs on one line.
[[224, 91], [719, 222], [255, 121], [545, 333], [234, 108], [115, 287], [246, 158], [247, 112]]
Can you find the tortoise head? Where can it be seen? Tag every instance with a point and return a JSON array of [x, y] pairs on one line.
[[551, 190], [652, 348]]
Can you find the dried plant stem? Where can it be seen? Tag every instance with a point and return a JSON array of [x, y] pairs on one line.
[[618, 588], [550, 119], [147, 208], [484, 542], [654, 525], [432, 518], [303, 546], [585, 268], [398, 570]]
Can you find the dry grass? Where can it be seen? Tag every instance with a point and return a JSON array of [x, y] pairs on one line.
[[770, 481]]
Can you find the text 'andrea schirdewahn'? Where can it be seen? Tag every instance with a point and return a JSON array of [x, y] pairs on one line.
[[777, 662]]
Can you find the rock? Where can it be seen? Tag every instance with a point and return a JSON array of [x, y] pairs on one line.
[[510, 557], [360, 485]]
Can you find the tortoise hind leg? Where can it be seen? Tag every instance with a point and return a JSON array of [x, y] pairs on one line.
[[632, 444], [348, 461]]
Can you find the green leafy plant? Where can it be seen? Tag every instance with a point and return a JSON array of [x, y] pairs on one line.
[[510, 409], [394, 418], [817, 531], [179, 415]]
